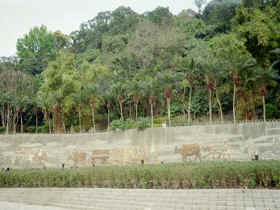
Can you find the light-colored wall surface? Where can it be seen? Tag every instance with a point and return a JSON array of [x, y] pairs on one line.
[[175, 144]]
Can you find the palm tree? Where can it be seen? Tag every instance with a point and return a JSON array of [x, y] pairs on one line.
[[168, 100], [232, 51], [152, 102], [136, 102], [92, 105], [266, 78]]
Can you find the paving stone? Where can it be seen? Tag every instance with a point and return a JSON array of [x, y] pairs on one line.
[[129, 199]]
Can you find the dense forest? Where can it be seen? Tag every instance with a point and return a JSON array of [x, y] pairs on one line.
[[124, 69]]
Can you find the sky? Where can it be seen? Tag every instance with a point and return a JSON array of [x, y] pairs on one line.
[[17, 17]]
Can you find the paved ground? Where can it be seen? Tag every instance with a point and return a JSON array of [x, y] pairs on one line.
[[130, 199], [19, 206]]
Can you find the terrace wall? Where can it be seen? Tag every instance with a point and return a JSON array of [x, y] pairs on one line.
[[157, 145]]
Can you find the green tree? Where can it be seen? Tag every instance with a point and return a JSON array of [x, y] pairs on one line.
[[199, 4], [220, 13], [35, 49], [59, 84], [259, 29], [160, 16], [92, 79], [233, 53]]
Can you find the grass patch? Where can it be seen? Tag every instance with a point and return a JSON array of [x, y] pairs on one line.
[[253, 174]]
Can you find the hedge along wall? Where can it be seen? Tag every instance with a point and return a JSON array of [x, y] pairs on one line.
[[174, 144]]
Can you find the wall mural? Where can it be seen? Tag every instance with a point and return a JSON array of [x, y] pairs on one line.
[[151, 146], [117, 156], [197, 152], [33, 156]]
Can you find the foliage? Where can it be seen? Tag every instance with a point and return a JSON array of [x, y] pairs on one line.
[[140, 124], [121, 64], [36, 49], [220, 13], [143, 123], [259, 28], [210, 175], [2, 129], [30, 129], [272, 111]]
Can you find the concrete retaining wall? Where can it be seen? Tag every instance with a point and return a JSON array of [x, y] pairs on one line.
[[175, 144]]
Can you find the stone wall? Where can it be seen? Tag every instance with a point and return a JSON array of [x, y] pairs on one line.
[[175, 144]]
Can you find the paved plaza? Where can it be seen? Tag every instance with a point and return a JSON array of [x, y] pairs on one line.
[[138, 199]]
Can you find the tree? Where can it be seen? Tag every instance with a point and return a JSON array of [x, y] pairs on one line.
[[160, 16], [59, 85], [35, 49], [17, 89], [199, 4], [233, 53], [220, 13], [124, 19], [189, 69], [92, 79], [258, 28]]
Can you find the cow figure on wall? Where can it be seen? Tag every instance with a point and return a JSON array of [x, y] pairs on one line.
[[189, 150]]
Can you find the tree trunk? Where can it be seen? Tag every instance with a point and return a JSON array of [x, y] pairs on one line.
[[152, 115], [49, 122], [121, 108], [183, 104], [36, 123], [15, 116], [58, 120], [3, 116], [189, 107], [168, 108], [184, 112], [64, 127], [264, 109], [8, 118], [93, 119], [54, 119], [130, 110], [220, 105], [210, 105], [233, 104], [108, 119], [136, 111], [21, 123], [80, 121]]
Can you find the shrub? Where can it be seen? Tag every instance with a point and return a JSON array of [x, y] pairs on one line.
[[31, 129], [272, 111], [2, 130], [143, 123], [43, 129], [118, 124], [160, 120], [258, 174], [140, 124]]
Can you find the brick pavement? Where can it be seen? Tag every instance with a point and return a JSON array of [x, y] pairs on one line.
[[140, 199]]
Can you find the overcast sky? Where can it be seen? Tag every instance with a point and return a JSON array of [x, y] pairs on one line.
[[17, 17]]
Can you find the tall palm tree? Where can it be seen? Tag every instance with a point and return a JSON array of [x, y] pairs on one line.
[[168, 92]]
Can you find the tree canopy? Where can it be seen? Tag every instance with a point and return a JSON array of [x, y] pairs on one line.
[[222, 63]]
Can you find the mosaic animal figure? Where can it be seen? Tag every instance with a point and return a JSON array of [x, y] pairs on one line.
[[100, 157], [224, 154], [129, 155], [36, 157], [78, 158], [189, 150]]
